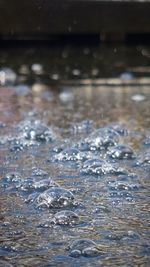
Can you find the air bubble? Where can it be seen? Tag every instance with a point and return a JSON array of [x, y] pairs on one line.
[[66, 217], [121, 152], [7, 77], [55, 197], [83, 247]]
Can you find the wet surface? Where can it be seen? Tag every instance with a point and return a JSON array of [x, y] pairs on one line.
[[75, 166]]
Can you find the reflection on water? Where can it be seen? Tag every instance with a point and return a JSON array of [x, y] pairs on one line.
[[75, 163]]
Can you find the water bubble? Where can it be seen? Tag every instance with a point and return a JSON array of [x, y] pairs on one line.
[[129, 236], [95, 72], [37, 68], [90, 252], [69, 154], [11, 181], [65, 54], [2, 125], [121, 186], [84, 126], [66, 96], [39, 133], [39, 172], [126, 76], [55, 197], [17, 145], [75, 253], [147, 141], [22, 90], [121, 195], [47, 95], [24, 69], [138, 97], [119, 128], [32, 197], [143, 160], [31, 184], [55, 76], [13, 177], [93, 166], [83, 247], [100, 167], [7, 77], [102, 139], [66, 217], [76, 72], [86, 51], [121, 152]]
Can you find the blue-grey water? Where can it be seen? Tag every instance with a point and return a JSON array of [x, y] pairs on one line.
[[75, 163]]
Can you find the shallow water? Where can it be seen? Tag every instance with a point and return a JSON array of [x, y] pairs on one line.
[[75, 169]]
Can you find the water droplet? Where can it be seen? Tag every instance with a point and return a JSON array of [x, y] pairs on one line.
[[7, 77]]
